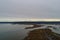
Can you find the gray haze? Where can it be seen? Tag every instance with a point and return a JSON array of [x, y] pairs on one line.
[[30, 8]]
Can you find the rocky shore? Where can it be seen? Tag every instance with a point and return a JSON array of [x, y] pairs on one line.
[[42, 34]]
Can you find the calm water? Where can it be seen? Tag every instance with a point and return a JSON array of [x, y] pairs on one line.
[[12, 32], [17, 32]]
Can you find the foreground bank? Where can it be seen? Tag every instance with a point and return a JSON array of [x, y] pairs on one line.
[[42, 34]]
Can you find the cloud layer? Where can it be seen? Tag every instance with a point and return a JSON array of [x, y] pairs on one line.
[[30, 8]]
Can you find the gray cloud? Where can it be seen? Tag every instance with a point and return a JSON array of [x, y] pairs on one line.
[[30, 8]]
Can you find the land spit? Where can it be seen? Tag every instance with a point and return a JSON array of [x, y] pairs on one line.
[[42, 34]]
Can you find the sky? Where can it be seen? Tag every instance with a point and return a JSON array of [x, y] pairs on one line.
[[29, 8]]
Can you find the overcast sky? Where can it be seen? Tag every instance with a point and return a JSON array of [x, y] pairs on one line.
[[30, 8]]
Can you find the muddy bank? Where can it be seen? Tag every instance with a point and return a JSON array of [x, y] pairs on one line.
[[42, 34]]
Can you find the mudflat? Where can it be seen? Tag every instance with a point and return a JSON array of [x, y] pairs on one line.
[[42, 34]]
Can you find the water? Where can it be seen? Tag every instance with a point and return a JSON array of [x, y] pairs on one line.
[[12, 32], [17, 32]]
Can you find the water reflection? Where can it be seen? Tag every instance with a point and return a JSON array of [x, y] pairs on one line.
[[12, 32]]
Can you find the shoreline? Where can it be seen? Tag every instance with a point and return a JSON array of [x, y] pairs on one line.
[[42, 34]]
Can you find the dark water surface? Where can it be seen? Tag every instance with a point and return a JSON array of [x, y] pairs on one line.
[[17, 32], [12, 32]]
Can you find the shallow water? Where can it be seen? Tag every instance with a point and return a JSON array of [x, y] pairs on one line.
[[17, 32]]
